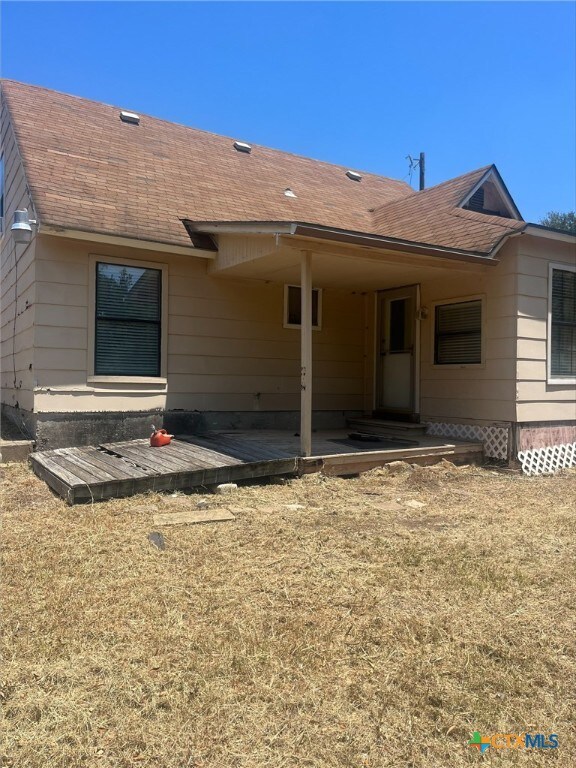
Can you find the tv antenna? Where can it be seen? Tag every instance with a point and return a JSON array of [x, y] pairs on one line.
[[419, 163]]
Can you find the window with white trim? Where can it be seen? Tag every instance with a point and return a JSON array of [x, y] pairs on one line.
[[458, 333], [562, 327], [293, 307], [128, 334]]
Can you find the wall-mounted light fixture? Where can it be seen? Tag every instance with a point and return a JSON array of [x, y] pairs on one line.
[[22, 226]]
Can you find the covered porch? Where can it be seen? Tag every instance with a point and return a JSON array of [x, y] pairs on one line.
[[387, 275]]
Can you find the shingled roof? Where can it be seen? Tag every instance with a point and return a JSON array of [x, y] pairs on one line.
[[88, 170], [434, 216]]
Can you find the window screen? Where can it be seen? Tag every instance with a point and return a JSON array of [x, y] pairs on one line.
[[294, 306], [128, 312], [458, 333], [563, 316]]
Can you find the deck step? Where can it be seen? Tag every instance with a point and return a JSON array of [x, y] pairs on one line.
[[15, 450], [401, 430]]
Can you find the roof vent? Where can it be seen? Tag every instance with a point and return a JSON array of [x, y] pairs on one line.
[[130, 117], [241, 146], [354, 176], [476, 202], [288, 192]]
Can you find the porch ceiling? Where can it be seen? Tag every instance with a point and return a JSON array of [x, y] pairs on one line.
[[333, 266]]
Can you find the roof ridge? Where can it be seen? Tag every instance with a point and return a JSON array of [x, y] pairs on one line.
[[204, 131], [483, 169]]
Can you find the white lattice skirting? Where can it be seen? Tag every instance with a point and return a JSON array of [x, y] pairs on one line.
[[546, 461], [495, 439]]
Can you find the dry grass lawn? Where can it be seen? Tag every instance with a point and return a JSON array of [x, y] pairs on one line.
[[359, 629]]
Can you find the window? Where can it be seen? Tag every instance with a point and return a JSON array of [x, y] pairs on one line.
[[293, 307], [562, 324], [128, 320], [458, 333]]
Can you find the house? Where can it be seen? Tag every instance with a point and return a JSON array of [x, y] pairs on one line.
[[175, 274]]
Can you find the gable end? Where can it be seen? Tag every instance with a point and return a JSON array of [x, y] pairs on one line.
[[491, 197]]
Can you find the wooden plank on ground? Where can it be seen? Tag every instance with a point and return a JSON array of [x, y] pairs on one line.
[[336, 465], [399, 454], [192, 516]]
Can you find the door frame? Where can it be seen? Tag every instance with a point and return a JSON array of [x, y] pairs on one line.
[[415, 414]]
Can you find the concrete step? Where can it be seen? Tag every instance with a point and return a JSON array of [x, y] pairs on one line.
[[15, 450], [401, 430]]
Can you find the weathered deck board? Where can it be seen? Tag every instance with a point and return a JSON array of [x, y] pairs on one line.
[[118, 467], [133, 466], [244, 450], [205, 453], [156, 460], [171, 458]]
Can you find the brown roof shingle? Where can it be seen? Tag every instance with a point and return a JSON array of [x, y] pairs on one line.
[[433, 216], [89, 170]]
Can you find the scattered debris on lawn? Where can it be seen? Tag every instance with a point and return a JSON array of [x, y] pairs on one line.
[[157, 540], [226, 488], [192, 516]]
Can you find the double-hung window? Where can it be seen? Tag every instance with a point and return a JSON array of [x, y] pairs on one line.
[[128, 334], [458, 333], [562, 324]]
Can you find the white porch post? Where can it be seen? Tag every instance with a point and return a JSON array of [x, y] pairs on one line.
[[306, 354]]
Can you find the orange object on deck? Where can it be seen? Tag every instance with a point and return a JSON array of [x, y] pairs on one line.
[[160, 437]]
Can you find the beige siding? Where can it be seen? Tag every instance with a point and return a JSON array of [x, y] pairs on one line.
[[227, 347], [536, 399], [470, 393], [228, 350], [17, 274]]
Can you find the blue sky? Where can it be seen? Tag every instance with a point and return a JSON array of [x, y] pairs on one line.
[[359, 84]]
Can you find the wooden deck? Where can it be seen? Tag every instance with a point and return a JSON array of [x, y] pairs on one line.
[[94, 473]]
